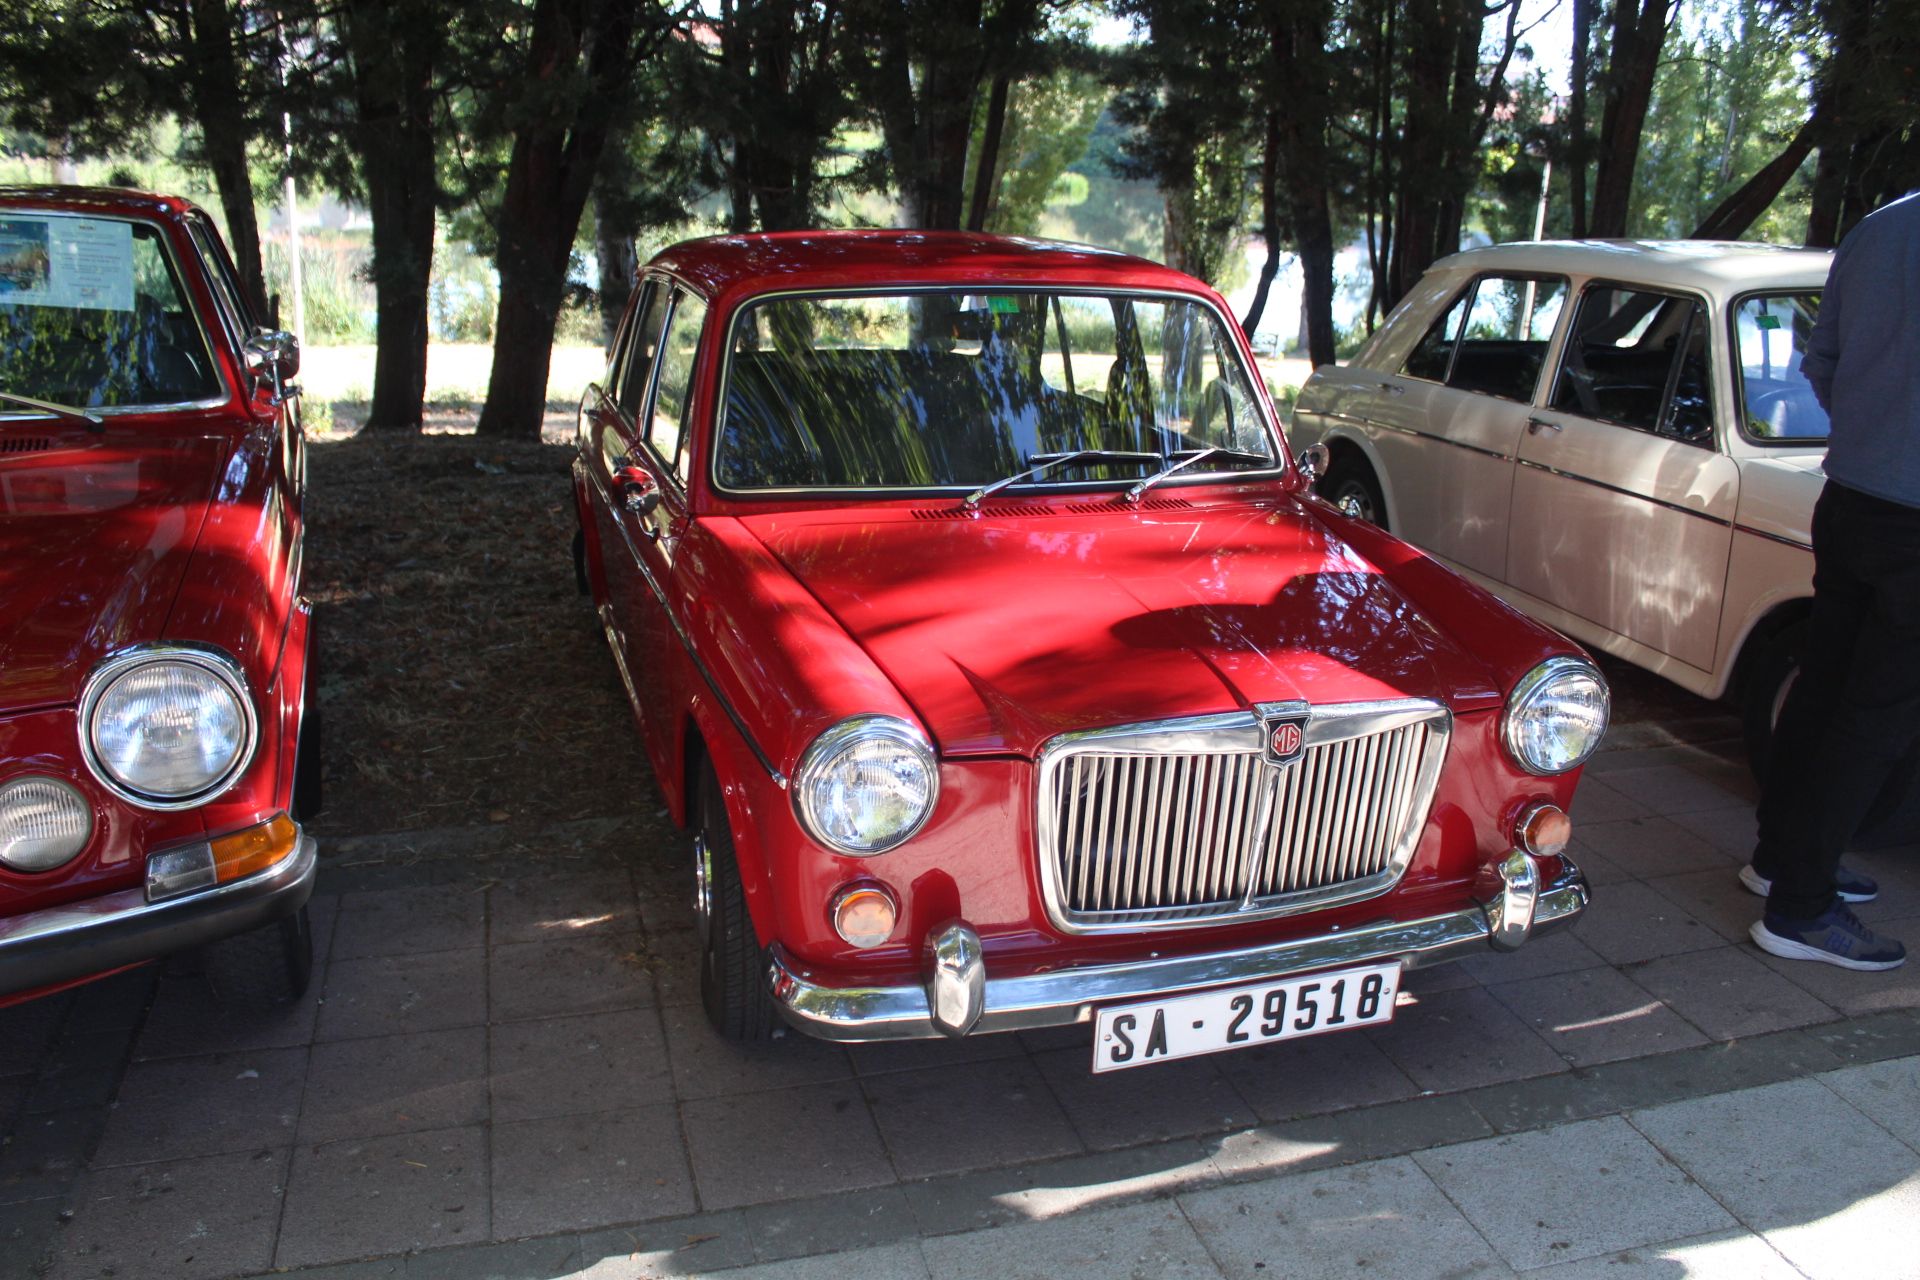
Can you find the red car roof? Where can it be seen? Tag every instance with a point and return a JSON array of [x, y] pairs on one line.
[[97, 200], [782, 260]]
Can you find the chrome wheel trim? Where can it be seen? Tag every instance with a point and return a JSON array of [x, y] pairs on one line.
[[1353, 500], [1780, 696], [702, 889]]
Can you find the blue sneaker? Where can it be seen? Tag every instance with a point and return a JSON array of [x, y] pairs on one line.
[[1850, 885], [1837, 937]]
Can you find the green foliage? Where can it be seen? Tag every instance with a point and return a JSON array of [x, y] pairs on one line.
[[1730, 92], [1049, 119], [337, 297]]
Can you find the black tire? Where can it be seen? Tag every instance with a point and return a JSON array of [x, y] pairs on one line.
[[733, 964], [1774, 668], [265, 967], [308, 764], [1351, 486]]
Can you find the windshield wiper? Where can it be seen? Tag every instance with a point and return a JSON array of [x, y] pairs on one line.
[[92, 421], [1181, 459], [1045, 462]]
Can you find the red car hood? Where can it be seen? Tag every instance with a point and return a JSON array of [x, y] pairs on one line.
[[95, 533], [1032, 621]]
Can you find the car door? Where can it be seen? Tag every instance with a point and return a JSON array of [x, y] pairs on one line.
[[613, 414], [1461, 400], [1622, 505]]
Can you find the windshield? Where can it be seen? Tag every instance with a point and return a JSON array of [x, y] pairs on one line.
[[1770, 333], [952, 389], [92, 315]]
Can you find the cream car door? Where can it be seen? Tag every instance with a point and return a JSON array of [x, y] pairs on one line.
[[1622, 505]]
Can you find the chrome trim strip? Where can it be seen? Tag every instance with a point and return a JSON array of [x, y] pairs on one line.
[[1276, 430], [1436, 438], [659, 595], [1629, 493], [1782, 539], [1064, 997], [1237, 851], [204, 656], [93, 935]]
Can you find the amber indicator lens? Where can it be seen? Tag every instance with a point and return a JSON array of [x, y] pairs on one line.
[[254, 849], [1545, 829], [864, 916]]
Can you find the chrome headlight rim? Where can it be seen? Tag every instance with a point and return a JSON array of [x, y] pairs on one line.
[[1523, 699], [207, 658], [851, 732], [81, 802]]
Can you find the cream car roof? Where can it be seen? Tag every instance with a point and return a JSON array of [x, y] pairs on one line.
[[1708, 266]]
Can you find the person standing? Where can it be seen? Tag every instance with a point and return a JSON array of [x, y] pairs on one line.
[[1854, 712]]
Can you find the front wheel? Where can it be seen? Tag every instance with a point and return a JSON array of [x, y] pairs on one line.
[[1775, 669], [1354, 490], [733, 964]]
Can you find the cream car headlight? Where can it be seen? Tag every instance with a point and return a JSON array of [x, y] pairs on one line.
[[866, 785], [166, 728], [1556, 716], [44, 823]]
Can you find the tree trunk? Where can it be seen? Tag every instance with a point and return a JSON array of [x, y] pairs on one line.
[[215, 86], [395, 48], [1637, 40], [614, 252], [1829, 189], [986, 172], [1733, 215], [1269, 222], [549, 175], [1577, 117]]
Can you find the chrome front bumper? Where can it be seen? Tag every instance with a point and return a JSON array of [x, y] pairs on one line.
[[960, 998], [96, 935]]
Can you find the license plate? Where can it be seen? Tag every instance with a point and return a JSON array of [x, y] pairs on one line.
[[1133, 1035]]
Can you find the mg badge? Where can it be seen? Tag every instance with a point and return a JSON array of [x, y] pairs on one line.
[[1285, 740]]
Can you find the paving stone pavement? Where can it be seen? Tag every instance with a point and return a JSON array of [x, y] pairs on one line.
[[502, 1070]]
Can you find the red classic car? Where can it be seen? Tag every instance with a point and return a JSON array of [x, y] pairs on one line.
[[1009, 673], [156, 754]]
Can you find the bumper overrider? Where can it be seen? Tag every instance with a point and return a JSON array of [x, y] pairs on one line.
[[97, 935], [959, 998]]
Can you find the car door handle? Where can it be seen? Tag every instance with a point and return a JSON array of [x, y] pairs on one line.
[[1536, 425], [1393, 389]]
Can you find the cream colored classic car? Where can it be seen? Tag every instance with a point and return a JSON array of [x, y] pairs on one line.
[[1614, 436]]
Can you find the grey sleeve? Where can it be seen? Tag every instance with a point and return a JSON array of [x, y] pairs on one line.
[[1823, 347]]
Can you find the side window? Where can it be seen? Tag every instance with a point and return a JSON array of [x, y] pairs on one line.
[[1639, 359], [1504, 344], [642, 343], [674, 394], [1432, 357], [1770, 333]]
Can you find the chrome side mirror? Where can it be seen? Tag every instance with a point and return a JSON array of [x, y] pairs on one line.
[[273, 355], [1312, 461]]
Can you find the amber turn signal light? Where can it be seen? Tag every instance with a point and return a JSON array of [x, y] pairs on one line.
[[254, 849], [1543, 830], [864, 915]]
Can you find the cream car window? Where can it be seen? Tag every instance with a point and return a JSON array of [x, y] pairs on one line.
[[1639, 359], [1493, 339]]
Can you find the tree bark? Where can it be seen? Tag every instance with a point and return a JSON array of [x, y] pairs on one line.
[[1638, 36], [395, 49], [1269, 222], [1577, 116], [1737, 212], [614, 253], [549, 176], [986, 173], [215, 87]]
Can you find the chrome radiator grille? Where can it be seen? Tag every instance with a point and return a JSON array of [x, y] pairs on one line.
[[1183, 822]]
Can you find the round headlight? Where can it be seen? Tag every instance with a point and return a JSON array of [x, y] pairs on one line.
[[167, 728], [44, 823], [1556, 715], [866, 784]]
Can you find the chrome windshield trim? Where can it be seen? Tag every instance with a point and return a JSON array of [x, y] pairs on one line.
[[1068, 996], [1241, 733], [660, 597]]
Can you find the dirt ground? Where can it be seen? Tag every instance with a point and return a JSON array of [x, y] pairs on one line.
[[464, 680]]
